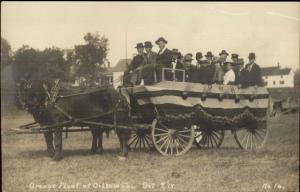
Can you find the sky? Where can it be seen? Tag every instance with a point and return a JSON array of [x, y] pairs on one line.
[[270, 29]]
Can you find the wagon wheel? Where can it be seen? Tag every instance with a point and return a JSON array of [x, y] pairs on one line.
[[140, 139], [251, 138], [171, 141], [206, 137]]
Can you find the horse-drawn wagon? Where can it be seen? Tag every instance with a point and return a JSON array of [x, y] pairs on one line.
[[168, 115]]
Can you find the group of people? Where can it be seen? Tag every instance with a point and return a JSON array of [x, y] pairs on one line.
[[147, 67]]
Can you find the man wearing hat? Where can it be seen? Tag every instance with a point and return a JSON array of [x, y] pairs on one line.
[[132, 75], [223, 56], [177, 64], [148, 74], [205, 69], [199, 57], [164, 59], [252, 75], [190, 69], [238, 68]]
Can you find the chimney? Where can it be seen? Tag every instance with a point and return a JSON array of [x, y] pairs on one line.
[[278, 65]]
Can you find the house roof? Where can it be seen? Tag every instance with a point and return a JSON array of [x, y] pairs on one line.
[[274, 71], [120, 66]]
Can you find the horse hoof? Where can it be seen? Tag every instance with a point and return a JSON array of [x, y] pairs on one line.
[[122, 158], [51, 152], [57, 158], [100, 151], [93, 151]]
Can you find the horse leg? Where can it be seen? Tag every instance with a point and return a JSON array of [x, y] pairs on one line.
[[49, 142], [100, 136], [94, 141], [121, 141], [123, 138], [58, 144]]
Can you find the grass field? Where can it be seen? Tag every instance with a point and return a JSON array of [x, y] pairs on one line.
[[26, 166]]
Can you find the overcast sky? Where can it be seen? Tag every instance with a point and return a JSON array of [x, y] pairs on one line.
[[271, 30]]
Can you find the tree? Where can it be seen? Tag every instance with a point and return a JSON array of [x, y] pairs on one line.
[[48, 63], [92, 55], [6, 53]]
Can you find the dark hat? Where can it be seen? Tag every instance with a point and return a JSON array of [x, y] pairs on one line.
[[251, 56], [191, 55], [139, 45], [188, 57], [199, 55], [223, 52], [148, 44], [176, 52], [161, 39], [209, 54], [234, 55]]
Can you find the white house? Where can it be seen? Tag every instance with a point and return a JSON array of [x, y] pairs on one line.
[[275, 77], [117, 71]]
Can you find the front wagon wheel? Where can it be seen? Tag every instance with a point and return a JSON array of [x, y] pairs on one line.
[[171, 141]]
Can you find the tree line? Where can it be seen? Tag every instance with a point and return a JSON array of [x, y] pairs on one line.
[[83, 60]]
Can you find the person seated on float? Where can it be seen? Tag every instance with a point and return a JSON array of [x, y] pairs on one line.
[[229, 77], [148, 71], [132, 75], [190, 69]]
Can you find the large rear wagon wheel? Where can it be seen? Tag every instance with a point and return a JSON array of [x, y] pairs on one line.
[[140, 139], [251, 138], [206, 138], [170, 141]]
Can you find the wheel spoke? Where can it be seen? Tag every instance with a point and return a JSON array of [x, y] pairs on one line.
[[132, 141], [182, 140], [162, 138], [167, 146], [161, 134], [183, 131], [186, 136], [137, 143], [247, 140], [167, 139], [162, 130], [171, 146]]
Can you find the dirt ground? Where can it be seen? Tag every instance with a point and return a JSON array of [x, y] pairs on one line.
[[26, 166]]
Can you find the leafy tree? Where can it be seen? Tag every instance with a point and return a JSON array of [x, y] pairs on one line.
[[48, 63], [91, 56], [6, 53]]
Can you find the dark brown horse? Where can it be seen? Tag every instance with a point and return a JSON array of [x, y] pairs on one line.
[[104, 105]]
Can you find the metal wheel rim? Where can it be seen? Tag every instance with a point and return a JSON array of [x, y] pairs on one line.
[[170, 142]]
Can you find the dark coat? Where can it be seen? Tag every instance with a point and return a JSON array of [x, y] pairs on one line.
[[165, 59], [150, 58], [191, 74], [238, 76], [205, 74], [133, 78], [253, 77]]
